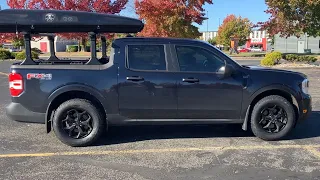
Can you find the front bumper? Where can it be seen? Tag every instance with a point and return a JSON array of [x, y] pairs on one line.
[[17, 112], [305, 108]]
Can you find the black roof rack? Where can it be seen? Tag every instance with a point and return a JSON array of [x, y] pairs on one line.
[[64, 21]]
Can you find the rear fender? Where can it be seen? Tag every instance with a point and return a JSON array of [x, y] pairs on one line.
[[72, 87]]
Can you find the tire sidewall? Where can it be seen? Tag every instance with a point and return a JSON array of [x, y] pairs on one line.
[[274, 100], [59, 116]]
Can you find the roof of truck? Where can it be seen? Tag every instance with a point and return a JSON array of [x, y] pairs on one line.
[[160, 40], [60, 21]]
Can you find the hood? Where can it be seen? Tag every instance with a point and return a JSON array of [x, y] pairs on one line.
[[261, 68]]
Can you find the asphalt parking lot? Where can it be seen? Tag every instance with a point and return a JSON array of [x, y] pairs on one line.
[[161, 152]]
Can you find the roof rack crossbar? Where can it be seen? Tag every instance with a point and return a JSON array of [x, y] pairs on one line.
[[27, 42], [53, 56], [93, 60]]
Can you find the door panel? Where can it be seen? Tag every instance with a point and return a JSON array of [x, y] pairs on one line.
[[202, 93], [147, 90], [210, 98], [151, 98]]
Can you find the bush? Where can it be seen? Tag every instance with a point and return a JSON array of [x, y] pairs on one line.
[[310, 59], [22, 55], [36, 50], [212, 41], [267, 61], [72, 49], [297, 58], [291, 57], [276, 56], [271, 58], [5, 54], [13, 55]]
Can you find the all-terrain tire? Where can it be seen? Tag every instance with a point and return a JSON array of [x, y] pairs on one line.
[[98, 123], [272, 100]]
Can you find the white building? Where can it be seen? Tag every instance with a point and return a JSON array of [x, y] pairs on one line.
[[209, 35]]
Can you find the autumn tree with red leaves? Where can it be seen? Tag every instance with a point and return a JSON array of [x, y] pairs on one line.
[[171, 18], [292, 17], [99, 6]]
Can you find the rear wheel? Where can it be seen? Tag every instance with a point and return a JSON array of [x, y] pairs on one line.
[[272, 118], [77, 122]]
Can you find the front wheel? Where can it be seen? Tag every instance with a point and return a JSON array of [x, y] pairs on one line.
[[273, 117], [77, 122]]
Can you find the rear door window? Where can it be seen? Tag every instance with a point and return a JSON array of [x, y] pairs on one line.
[[146, 57]]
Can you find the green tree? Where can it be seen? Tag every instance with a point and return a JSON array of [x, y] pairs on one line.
[[213, 41], [233, 26], [292, 17], [17, 42]]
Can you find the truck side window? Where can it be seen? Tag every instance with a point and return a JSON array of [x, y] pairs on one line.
[[146, 57], [197, 59]]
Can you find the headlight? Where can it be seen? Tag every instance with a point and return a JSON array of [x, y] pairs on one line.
[[305, 86]]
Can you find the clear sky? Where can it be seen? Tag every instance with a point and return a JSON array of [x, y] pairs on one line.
[[252, 9]]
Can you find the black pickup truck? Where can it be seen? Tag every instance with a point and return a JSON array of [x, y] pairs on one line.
[[154, 81]]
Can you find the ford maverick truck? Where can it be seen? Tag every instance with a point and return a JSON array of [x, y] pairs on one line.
[[153, 81]]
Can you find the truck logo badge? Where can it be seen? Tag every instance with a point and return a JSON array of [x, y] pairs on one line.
[[50, 17], [39, 76]]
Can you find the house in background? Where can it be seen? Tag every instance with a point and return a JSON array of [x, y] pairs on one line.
[[60, 44], [293, 44], [257, 38]]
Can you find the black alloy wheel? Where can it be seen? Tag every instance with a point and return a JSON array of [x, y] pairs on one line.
[[273, 119], [77, 123]]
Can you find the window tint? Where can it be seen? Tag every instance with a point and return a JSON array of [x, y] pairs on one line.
[[146, 57], [197, 59]]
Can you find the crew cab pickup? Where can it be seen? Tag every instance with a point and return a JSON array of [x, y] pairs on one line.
[[156, 81]]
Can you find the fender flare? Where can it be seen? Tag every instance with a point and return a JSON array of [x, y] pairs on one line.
[[72, 87], [279, 87]]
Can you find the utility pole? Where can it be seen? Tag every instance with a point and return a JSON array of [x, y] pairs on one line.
[[207, 36]]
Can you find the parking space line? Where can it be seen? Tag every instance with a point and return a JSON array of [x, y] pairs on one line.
[[314, 151], [310, 148], [4, 74]]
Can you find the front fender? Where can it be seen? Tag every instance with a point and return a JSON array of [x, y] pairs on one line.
[[279, 87]]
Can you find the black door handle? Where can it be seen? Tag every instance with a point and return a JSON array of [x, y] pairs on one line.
[[135, 78], [190, 80]]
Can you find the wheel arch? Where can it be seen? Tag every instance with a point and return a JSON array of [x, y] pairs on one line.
[[70, 92], [280, 90]]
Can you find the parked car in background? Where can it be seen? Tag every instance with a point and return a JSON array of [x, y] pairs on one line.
[[14, 50], [256, 49], [244, 50]]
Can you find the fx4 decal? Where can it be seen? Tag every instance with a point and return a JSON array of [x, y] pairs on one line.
[[39, 76]]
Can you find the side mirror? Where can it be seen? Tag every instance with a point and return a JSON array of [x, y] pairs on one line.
[[226, 71]]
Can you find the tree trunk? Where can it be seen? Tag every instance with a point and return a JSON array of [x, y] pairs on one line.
[[83, 42], [79, 45]]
